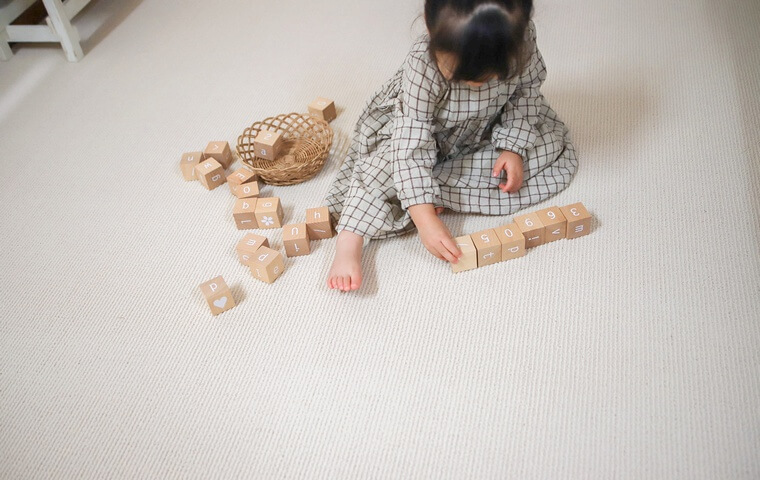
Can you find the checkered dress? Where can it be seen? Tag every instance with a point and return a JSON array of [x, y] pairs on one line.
[[422, 139]]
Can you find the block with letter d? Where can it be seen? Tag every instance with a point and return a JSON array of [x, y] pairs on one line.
[[267, 264], [512, 241]]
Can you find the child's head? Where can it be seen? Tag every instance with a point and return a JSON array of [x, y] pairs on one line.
[[475, 40]]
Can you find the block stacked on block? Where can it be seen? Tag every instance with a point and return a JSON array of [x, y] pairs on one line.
[[219, 151], [218, 295], [248, 246], [323, 108], [528, 230], [243, 183]]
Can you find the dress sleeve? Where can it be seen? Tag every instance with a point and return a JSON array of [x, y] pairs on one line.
[[414, 146], [517, 132]]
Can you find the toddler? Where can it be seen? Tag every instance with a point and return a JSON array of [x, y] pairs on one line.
[[461, 125]]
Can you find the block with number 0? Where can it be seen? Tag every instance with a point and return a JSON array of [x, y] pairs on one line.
[[578, 220], [512, 241]]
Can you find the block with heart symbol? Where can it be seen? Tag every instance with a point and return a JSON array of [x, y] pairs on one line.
[[188, 162], [219, 151], [218, 295], [269, 212], [488, 246], [248, 246], [210, 173], [319, 223], [554, 222], [267, 264], [578, 220], [323, 108], [296, 240]]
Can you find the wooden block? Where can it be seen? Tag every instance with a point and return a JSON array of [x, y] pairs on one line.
[[296, 239], [488, 245], [240, 176], [188, 162], [244, 213], [267, 144], [578, 220], [469, 258], [269, 212], [319, 223], [512, 241], [267, 264], [248, 246], [323, 108], [218, 295], [219, 151], [554, 222], [530, 226], [246, 190], [210, 173]]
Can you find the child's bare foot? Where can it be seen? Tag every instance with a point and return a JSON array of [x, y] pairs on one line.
[[346, 271]]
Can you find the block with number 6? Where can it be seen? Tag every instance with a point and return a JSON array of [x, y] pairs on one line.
[[578, 220], [554, 223], [210, 173]]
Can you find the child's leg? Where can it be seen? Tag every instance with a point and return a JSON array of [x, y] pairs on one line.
[[346, 271]]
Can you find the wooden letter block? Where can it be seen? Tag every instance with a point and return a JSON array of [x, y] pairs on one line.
[[489, 247], [267, 144], [319, 223], [555, 223], [578, 220], [218, 295], [246, 190], [323, 108], [188, 163], [296, 240], [269, 212], [512, 242], [219, 151], [240, 176], [267, 264], [210, 173], [249, 245], [469, 258], [530, 226], [244, 213]]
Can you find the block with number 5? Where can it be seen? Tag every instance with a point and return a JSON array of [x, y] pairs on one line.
[[578, 220]]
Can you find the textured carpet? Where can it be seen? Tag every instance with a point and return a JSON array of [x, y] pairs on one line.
[[633, 352]]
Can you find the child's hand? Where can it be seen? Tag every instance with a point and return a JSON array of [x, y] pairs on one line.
[[511, 163], [434, 234]]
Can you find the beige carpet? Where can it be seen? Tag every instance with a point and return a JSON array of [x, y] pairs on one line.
[[633, 352]]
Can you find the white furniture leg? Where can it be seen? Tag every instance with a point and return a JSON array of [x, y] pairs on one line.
[[68, 34]]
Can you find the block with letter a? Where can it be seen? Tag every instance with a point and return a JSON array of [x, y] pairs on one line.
[[319, 223], [267, 265], [554, 222], [268, 144], [578, 220], [218, 295], [296, 239], [244, 213]]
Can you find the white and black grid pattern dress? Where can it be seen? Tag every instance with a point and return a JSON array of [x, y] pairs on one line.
[[422, 139]]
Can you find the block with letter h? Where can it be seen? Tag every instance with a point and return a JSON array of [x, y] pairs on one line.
[[319, 223]]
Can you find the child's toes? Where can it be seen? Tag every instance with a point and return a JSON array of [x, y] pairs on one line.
[[346, 283]]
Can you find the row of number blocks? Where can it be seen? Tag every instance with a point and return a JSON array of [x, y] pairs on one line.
[[526, 231]]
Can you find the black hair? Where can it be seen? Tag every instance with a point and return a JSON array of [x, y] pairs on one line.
[[486, 37]]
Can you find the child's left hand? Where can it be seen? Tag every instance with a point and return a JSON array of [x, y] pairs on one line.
[[511, 163]]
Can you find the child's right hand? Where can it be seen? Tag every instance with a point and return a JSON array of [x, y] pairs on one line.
[[434, 234]]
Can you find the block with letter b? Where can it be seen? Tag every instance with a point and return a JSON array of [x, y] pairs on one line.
[[210, 173], [244, 213], [319, 223], [188, 162], [268, 144], [218, 295], [532, 228], [469, 258], [488, 245], [512, 241], [296, 239], [555, 224], [249, 245], [269, 212], [578, 220], [323, 108], [267, 264], [219, 151]]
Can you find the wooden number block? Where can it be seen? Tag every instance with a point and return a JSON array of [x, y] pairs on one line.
[[244, 213], [241, 176], [246, 190], [267, 264], [578, 220], [188, 162], [554, 222], [249, 245], [267, 144], [530, 226], [219, 151], [296, 239], [512, 241], [210, 173], [269, 212], [469, 258], [218, 295], [319, 223], [488, 245], [323, 108]]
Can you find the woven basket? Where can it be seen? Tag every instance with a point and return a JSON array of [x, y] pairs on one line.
[[306, 145]]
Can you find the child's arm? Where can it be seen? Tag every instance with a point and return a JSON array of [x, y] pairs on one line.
[[434, 234]]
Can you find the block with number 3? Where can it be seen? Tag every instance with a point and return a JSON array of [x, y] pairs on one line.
[[578, 220]]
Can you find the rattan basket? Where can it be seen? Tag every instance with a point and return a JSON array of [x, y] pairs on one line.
[[306, 145]]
